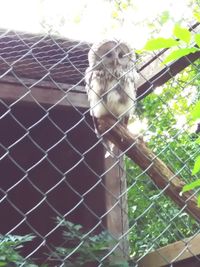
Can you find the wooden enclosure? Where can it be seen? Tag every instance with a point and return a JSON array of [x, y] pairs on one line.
[[52, 164]]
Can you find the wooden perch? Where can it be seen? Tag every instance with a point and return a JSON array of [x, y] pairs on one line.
[[137, 151]]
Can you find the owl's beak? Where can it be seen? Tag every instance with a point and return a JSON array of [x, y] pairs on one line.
[[115, 63]]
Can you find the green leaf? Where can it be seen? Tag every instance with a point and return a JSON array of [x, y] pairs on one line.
[[182, 33], [191, 186], [115, 14], [197, 39], [196, 165], [160, 43], [164, 17], [196, 111], [179, 53], [197, 15], [198, 201], [198, 140], [124, 5]]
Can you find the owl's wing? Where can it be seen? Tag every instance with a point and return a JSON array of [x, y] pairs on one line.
[[96, 87], [88, 79], [91, 88], [135, 77]]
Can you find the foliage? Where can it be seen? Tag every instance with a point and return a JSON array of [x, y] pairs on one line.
[[79, 248], [155, 220], [161, 222], [9, 246], [185, 43], [196, 169], [84, 248]]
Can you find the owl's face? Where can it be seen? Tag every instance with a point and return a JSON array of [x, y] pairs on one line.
[[110, 54]]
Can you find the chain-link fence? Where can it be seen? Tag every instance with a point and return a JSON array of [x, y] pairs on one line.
[[85, 209]]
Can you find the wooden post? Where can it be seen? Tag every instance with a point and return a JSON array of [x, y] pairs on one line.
[[116, 218]]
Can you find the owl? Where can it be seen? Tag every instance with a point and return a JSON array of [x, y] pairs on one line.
[[110, 80]]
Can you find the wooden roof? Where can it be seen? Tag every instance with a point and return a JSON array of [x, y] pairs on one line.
[[39, 62], [42, 57]]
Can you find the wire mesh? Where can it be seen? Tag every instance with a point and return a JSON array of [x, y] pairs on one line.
[[53, 164]]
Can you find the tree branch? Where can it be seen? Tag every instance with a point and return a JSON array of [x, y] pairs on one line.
[[156, 169]]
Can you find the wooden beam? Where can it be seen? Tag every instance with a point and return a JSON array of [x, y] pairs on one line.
[[162, 75], [162, 176], [47, 97], [178, 251]]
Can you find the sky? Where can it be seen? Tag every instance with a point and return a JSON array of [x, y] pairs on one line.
[[90, 20]]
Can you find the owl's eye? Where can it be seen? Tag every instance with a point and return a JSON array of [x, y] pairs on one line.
[[109, 55], [121, 55]]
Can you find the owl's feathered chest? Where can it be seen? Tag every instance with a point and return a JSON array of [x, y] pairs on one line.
[[115, 83], [110, 74], [111, 92]]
